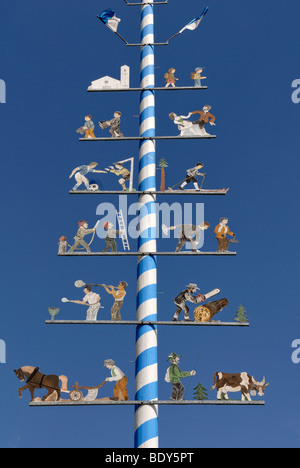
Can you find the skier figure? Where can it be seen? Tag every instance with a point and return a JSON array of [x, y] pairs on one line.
[[191, 176], [188, 295], [174, 376], [79, 238]]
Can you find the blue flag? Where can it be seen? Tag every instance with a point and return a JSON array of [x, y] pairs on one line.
[[109, 18], [195, 23]]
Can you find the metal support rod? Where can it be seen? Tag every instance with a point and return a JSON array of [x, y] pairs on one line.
[[146, 381], [152, 404], [174, 324]]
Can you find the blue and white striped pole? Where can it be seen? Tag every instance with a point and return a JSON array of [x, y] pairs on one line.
[[146, 384]]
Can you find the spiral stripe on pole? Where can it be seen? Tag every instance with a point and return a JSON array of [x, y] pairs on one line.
[[146, 383]]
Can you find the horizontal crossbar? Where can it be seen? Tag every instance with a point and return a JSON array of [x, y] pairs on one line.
[[136, 192], [207, 137], [179, 88], [151, 403], [177, 324], [144, 254]]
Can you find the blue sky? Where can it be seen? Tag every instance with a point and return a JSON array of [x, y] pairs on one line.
[[50, 52]]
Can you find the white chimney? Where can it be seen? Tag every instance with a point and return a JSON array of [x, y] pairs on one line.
[[125, 77]]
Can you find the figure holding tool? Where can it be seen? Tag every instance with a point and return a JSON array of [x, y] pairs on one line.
[[221, 231], [188, 233], [191, 176], [79, 238], [92, 300], [118, 294], [114, 125]]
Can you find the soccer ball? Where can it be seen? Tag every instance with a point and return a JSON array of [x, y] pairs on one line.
[[94, 187]]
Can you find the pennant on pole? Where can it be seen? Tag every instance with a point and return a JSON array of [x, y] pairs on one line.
[[195, 23], [109, 18]]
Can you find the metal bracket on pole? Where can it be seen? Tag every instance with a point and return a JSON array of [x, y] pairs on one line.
[[150, 3]]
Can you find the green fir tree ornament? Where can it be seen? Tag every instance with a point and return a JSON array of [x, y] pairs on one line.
[[241, 315], [200, 393]]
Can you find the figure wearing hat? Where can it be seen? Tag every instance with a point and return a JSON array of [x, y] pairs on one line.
[[120, 379], [221, 231], [79, 238], [118, 294], [197, 77], [174, 376], [188, 295], [191, 176], [110, 239]]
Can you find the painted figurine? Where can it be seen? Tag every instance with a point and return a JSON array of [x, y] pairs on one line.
[[110, 239], [197, 77], [80, 173], [171, 78], [205, 118], [221, 231], [114, 125], [79, 238], [120, 380], [188, 295], [120, 170], [188, 233], [118, 294], [62, 245], [174, 376], [88, 128], [92, 300], [192, 175], [244, 383]]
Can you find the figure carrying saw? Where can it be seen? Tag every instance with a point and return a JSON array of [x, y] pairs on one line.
[[188, 295]]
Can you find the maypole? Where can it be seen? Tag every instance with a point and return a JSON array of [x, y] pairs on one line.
[[146, 416]]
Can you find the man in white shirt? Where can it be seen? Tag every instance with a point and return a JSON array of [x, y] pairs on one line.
[[117, 376], [93, 300]]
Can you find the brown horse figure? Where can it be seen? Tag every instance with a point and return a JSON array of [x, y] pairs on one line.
[[35, 380]]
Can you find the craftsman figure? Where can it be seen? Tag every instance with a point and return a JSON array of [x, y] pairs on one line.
[[190, 233], [110, 239], [93, 300], [221, 232], [192, 176], [206, 117], [79, 238], [119, 296], [80, 173], [188, 295], [175, 376], [117, 376], [120, 170], [197, 77], [114, 125], [171, 78]]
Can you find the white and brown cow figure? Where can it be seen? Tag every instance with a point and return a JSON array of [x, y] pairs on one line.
[[243, 383]]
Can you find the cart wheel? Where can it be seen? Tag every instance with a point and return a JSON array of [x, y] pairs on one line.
[[202, 314], [76, 395]]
